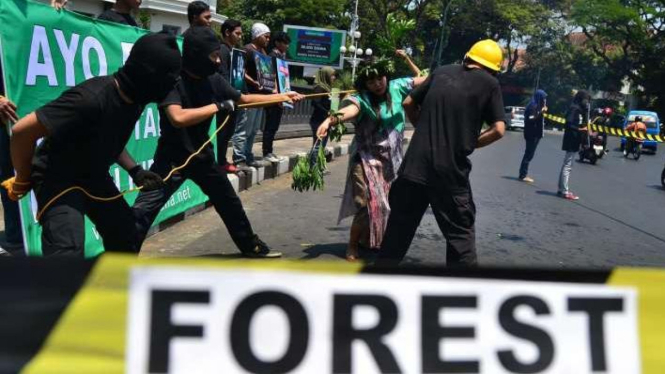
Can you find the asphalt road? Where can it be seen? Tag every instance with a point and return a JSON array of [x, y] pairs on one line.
[[619, 220]]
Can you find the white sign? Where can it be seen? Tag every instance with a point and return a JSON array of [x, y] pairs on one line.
[[220, 321]]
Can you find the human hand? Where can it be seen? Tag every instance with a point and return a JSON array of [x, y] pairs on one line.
[[322, 131], [294, 97], [227, 106], [545, 109], [16, 189], [401, 53], [145, 178], [583, 129], [59, 4], [7, 110]]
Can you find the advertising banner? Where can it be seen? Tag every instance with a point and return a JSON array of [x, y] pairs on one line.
[[45, 52], [311, 46]]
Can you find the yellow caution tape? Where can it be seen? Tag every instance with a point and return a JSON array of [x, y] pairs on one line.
[[612, 131]]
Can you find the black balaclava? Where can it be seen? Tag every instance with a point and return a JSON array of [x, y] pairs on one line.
[[199, 43], [151, 70]]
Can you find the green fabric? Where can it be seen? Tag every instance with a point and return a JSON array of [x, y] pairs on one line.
[[393, 117]]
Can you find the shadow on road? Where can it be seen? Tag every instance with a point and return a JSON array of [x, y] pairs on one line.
[[657, 187], [547, 193], [316, 251], [511, 178]]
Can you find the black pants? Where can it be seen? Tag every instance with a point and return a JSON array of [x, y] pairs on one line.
[[529, 152], [63, 230], [213, 181], [273, 119], [13, 234], [454, 211], [224, 137]]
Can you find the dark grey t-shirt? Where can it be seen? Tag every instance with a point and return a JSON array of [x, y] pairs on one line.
[[455, 102]]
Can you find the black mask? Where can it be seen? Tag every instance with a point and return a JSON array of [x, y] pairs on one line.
[[151, 70], [197, 46]]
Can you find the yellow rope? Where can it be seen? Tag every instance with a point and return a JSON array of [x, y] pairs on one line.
[[189, 159]]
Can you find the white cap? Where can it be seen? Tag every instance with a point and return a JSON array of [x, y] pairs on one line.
[[259, 29]]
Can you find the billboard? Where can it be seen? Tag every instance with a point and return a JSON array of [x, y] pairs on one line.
[[311, 46]]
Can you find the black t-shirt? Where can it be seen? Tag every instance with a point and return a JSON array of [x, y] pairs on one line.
[[250, 68], [225, 67], [89, 126], [176, 144], [455, 102], [122, 18], [321, 107]]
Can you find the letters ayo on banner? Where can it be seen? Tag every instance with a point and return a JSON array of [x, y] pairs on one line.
[[45, 52], [206, 321]]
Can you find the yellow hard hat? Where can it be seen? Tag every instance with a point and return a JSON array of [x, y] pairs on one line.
[[487, 53]]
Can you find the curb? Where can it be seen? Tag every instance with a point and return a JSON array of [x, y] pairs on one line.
[[245, 180]]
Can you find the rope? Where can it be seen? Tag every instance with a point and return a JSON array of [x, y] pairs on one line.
[[175, 169]]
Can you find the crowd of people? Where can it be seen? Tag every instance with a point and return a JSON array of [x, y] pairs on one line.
[[387, 191]]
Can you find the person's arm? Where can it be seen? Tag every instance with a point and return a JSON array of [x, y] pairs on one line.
[[348, 112], [7, 110], [180, 117], [258, 100], [25, 134], [414, 69], [126, 161], [249, 80], [412, 110], [494, 133]]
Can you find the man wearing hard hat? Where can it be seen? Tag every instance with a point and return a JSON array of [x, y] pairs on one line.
[[448, 111]]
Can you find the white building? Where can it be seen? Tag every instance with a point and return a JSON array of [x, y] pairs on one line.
[[170, 15]]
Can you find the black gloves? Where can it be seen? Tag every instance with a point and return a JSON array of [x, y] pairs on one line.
[[149, 180], [226, 105]]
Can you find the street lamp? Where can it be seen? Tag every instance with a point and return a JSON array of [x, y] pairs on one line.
[[353, 49]]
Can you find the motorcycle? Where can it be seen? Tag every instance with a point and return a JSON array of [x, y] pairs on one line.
[[593, 149], [634, 147]]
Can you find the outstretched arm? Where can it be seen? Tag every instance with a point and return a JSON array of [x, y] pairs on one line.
[[348, 112], [414, 69]]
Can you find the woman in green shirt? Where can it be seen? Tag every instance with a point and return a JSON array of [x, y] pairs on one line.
[[375, 153]]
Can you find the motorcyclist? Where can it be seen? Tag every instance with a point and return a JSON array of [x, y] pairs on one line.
[[637, 126]]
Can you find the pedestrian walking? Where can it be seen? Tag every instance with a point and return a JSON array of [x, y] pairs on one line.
[[375, 152], [85, 131], [577, 119], [534, 124], [185, 117], [448, 111]]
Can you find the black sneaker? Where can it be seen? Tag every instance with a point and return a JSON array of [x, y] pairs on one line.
[[261, 250]]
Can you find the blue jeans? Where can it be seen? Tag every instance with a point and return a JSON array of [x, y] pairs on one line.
[[13, 233], [246, 129], [529, 152]]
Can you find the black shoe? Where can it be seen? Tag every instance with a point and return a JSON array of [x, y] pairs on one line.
[[261, 250]]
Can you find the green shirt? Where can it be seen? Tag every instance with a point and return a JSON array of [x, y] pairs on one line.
[[391, 117]]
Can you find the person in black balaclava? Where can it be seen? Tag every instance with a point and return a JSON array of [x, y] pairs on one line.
[[577, 119], [85, 131], [185, 118]]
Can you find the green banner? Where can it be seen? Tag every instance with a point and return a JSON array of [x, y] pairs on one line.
[[311, 46], [44, 52]]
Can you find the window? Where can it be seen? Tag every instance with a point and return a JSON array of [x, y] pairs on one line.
[[173, 30]]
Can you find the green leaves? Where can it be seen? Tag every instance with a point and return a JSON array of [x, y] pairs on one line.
[[336, 132], [308, 172]]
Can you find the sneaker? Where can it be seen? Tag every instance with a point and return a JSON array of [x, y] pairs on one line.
[[230, 168], [261, 250], [527, 179], [242, 166], [4, 253], [272, 157], [254, 164], [570, 196]]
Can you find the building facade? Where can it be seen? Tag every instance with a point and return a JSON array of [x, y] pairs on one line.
[[169, 15]]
